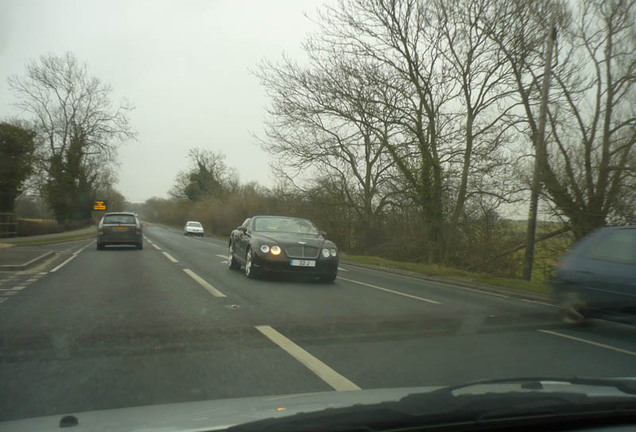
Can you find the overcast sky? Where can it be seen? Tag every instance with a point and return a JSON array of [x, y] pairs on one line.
[[183, 64]]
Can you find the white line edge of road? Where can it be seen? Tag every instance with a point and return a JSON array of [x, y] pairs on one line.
[[215, 292], [155, 246], [170, 257], [324, 372], [72, 257], [578, 339], [435, 282], [538, 302], [391, 291]]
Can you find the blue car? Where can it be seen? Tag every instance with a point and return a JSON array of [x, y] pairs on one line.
[[597, 278]]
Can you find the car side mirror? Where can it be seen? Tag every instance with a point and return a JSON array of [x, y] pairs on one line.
[[242, 229], [324, 234]]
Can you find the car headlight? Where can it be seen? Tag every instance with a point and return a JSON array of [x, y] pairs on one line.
[[334, 252], [275, 250], [264, 248], [325, 253]]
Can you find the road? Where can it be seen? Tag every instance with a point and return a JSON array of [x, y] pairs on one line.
[[107, 329]]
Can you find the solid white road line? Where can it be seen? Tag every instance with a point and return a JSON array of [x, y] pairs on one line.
[[434, 282], [324, 372], [72, 257], [155, 246], [578, 339], [391, 291], [170, 257], [215, 292], [538, 302]]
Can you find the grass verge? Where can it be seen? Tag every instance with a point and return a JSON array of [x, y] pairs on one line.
[[54, 240], [451, 273]]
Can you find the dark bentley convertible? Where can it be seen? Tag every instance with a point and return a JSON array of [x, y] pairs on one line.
[[284, 245]]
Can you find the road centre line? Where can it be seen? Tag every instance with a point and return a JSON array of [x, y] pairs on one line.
[[155, 246], [390, 291], [324, 372], [434, 282], [215, 292], [600, 345], [170, 257]]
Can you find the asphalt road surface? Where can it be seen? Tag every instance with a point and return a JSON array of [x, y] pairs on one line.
[[121, 327]]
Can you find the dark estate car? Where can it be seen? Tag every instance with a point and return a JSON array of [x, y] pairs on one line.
[[597, 278], [119, 229], [284, 245]]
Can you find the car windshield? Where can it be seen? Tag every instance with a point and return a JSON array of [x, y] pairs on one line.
[[285, 225], [119, 219], [213, 211]]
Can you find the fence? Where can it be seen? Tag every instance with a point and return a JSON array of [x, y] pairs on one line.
[[8, 225]]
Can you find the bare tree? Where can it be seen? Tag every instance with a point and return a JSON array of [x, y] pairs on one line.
[[322, 120], [79, 129], [482, 127], [207, 177], [594, 124]]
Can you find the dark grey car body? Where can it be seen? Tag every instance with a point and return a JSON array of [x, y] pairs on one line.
[[119, 228], [300, 252], [597, 278]]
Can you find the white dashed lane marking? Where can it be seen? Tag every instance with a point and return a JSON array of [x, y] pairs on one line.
[[155, 246], [323, 371], [170, 257], [215, 292]]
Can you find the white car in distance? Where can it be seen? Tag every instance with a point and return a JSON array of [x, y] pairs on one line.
[[193, 228]]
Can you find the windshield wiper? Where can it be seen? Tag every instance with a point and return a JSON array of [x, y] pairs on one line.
[[531, 403], [627, 386]]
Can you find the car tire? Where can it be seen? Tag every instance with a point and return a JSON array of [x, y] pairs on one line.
[[329, 277], [250, 271], [231, 261], [100, 246], [569, 304]]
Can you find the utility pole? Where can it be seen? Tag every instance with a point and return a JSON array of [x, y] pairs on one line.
[[540, 154]]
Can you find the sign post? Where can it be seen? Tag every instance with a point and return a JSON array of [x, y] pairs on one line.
[[100, 205]]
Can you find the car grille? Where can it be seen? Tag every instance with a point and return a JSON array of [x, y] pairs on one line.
[[302, 251]]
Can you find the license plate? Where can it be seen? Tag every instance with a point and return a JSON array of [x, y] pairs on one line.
[[121, 228], [303, 263]]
